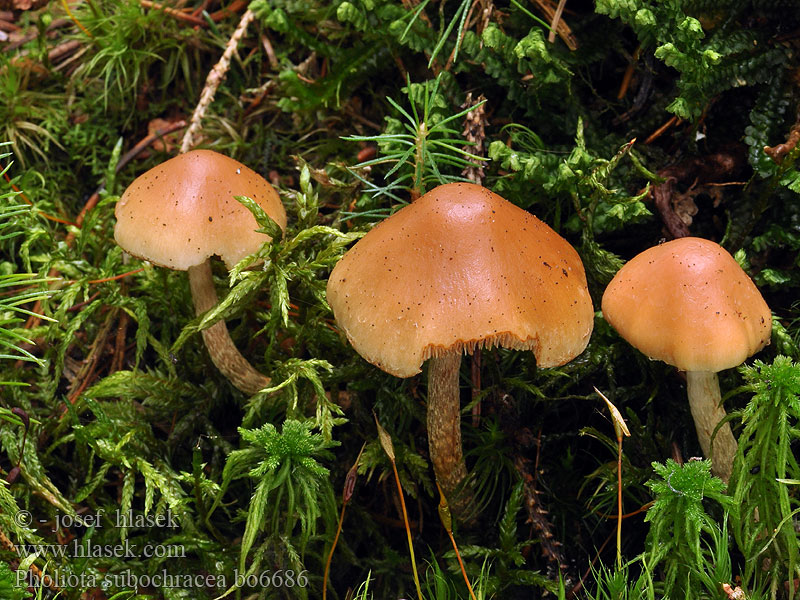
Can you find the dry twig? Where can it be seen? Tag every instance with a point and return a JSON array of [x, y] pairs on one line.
[[673, 121], [779, 152], [177, 14], [475, 133], [214, 79], [562, 29]]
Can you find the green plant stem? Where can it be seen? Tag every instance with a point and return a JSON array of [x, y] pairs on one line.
[[705, 402], [224, 354], [444, 430]]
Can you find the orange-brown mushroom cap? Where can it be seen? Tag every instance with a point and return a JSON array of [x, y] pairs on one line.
[[183, 211], [458, 269], [688, 303]]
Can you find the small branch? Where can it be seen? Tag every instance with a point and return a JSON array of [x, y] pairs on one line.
[[475, 133], [447, 523], [347, 494], [556, 21], [29, 203], [522, 440], [351, 112], [475, 375], [214, 79], [62, 50], [628, 76], [146, 142], [232, 9], [660, 131], [177, 14], [274, 64], [561, 28], [779, 152], [201, 7], [114, 278], [8, 26], [537, 516], [386, 443], [119, 342], [87, 371]]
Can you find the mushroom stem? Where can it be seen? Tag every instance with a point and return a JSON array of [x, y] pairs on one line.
[[444, 430], [224, 353], [705, 402]]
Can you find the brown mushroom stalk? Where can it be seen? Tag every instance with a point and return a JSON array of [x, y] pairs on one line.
[[223, 352], [444, 427], [705, 403]]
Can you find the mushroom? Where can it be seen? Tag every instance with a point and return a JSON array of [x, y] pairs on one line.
[[688, 303], [458, 269], [180, 213]]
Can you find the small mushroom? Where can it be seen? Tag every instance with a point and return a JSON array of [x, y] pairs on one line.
[[183, 211], [688, 303], [459, 269]]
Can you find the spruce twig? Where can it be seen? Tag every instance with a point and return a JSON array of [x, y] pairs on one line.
[[214, 79], [779, 152], [475, 133]]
